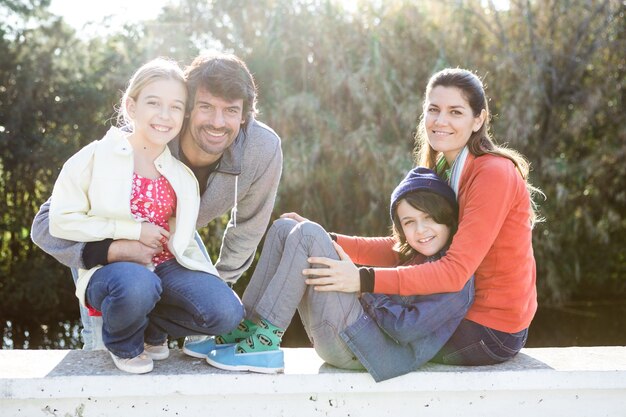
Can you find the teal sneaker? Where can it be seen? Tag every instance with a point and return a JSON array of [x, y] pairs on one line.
[[200, 348], [268, 362]]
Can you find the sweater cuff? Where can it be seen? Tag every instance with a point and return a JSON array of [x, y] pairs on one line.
[[367, 279], [96, 253]]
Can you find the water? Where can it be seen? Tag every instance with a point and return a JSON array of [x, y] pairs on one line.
[[599, 323]]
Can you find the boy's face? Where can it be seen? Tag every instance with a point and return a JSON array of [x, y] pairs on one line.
[[422, 232]]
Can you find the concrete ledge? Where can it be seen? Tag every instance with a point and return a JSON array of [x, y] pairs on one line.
[[538, 382]]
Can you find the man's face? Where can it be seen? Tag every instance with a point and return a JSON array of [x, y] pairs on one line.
[[214, 123]]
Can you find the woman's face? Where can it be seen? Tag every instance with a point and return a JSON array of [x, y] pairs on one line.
[[449, 121]]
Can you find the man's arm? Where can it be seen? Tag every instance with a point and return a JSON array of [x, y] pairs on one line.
[[253, 214], [85, 256], [67, 252]]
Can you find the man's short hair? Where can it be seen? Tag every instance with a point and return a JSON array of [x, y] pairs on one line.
[[225, 76]]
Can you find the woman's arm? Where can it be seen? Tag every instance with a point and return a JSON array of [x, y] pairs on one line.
[[371, 251], [489, 195], [487, 198]]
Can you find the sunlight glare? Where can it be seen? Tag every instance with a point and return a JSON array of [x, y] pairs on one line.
[[87, 16]]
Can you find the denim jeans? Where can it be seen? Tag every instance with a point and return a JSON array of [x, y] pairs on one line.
[[91, 333], [475, 344], [399, 334], [277, 289], [140, 306]]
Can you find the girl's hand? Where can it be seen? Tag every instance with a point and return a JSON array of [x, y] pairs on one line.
[[340, 275], [153, 236], [294, 216]]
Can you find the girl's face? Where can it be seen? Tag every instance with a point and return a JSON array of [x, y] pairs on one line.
[[158, 112], [422, 232], [449, 121]]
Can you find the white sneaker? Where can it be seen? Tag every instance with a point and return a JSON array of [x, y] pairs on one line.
[[157, 353], [138, 365]]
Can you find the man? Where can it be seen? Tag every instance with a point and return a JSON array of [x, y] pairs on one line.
[[237, 161]]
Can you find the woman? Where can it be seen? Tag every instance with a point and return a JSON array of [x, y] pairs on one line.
[[493, 241]]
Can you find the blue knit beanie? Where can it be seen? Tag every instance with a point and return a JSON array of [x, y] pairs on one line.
[[422, 179]]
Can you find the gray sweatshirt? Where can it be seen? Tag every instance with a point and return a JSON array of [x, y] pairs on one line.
[[245, 183]]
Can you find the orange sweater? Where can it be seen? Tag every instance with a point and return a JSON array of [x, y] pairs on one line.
[[493, 239]]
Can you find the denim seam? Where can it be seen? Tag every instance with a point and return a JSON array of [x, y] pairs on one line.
[[499, 342]]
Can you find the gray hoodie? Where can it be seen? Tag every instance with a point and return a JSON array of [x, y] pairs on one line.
[[245, 183]]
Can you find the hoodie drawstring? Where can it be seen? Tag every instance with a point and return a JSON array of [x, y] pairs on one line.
[[233, 213]]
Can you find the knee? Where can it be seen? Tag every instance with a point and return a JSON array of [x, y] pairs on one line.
[[231, 313], [282, 227], [312, 229], [224, 314], [140, 288]]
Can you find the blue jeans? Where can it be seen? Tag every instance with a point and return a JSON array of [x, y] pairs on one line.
[[91, 333], [140, 306], [475, 344]]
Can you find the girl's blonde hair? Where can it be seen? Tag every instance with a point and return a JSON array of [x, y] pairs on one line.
[[155, 70], [480, 142]]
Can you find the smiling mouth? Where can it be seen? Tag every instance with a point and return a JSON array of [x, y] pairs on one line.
[[440, 133], [426, 239], [215, 133], [161, 128]]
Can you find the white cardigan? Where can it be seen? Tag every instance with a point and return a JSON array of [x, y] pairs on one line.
[[91, 202]]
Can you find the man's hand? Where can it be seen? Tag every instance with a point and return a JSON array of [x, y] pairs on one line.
[[131, 251]]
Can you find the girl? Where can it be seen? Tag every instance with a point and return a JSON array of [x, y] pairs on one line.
[[388, 335], [129, 186], [494, 241]]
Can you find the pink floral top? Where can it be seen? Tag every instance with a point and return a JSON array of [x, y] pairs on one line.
[[155, 201]]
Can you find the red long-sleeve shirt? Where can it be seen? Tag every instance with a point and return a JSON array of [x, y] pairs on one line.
[[493, 241]]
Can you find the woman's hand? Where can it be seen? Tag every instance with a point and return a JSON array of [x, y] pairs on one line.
[[340, 275], [153, 235], [294, 216]]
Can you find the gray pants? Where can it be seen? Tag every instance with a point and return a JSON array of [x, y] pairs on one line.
[[277, 289]]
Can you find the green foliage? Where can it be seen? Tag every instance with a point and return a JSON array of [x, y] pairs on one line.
[[344, 91]]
